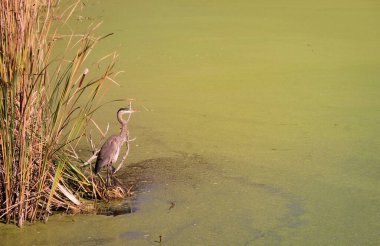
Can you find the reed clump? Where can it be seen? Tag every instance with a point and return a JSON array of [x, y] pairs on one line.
[[45, 106]]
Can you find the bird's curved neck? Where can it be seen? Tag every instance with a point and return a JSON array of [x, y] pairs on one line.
[[124, 127]]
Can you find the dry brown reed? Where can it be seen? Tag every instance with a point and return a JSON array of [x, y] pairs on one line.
[[45, 106]]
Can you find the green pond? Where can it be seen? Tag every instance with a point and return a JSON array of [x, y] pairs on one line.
[[259, 124]]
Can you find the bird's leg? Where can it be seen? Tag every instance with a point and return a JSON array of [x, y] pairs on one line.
[[108, 181], [107, 177]]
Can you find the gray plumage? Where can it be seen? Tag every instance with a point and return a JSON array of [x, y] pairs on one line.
[[109, 152]]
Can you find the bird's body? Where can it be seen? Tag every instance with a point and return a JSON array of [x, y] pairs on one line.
[[110, 150]]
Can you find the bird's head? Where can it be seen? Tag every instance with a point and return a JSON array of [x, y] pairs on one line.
[[127, 110]]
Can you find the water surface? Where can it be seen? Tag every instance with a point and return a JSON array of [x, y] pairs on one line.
[[260, 122]]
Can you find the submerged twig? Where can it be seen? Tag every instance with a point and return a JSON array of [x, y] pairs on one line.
[[172, 205], [125, 155]]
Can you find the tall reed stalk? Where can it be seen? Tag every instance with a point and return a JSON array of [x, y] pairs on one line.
[[45, 106]]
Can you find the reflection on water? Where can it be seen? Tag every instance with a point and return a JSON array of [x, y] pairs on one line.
[[279, 101]]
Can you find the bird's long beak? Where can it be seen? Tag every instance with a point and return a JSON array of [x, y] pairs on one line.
[[133, 111]]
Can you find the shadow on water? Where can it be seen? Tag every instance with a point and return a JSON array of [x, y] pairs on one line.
[[184, 198], [191, 171], [144, 176]]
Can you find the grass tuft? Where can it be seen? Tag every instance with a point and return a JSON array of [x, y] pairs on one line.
[[45, 106]]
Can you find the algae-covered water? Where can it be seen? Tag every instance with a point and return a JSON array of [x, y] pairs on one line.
[[260, 124]]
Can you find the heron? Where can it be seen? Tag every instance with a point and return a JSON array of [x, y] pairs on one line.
[[109, 152]]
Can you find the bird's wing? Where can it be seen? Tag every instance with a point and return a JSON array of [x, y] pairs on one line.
[[107, 153], [109, 149]]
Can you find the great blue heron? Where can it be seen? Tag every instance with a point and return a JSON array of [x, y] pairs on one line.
[[109, 152]]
